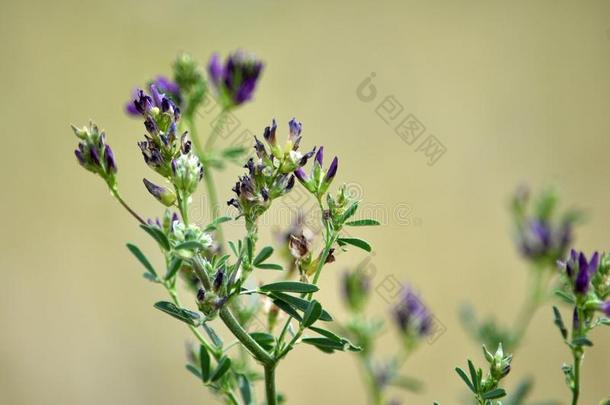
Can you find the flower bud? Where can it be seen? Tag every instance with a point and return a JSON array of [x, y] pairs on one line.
[[201, 295], [164, 195], [218, 279]]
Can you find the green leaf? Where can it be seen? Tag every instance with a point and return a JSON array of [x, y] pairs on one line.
[[289, 286], [223, 366], [559, 322], [344, 343], [464, 377], [582, 341], [212, 334], [288, 309], [194, 370], [233, 248], [245, 388], [494, 394], [204, 360], [179, 313], [568, 298], [326, 333], [140, 256], [233, 152], [150, 277], [265, 340], [263, 255], [173, 268], [363, 222], [212, 226], [190, 245], [349, 212], [604, 321], [269, 266], [473, 376], [313, 312], [157, 235], [300, 304], [327, 345], [362, 244]]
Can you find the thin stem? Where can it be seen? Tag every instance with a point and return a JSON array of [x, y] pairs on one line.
[[183, 207], [578, 355], [208, 178], [115, 193], [220, 121], [536, 297], [231, 322], [270, 384]]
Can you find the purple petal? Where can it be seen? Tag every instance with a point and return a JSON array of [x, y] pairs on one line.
[[320, 155], [332, 170], [301, 175]]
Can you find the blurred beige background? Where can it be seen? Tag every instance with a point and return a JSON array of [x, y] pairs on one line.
[[516, 91]]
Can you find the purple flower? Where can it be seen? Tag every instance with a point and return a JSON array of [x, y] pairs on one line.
[[411, 315], [109, 159], [236, 80], [580, 271], [586, 270], [162, 85], [332, 170], [320, 156]]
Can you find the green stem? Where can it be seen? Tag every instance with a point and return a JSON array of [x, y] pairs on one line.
[[270, 384], [233, 325], [537, 296], [115, 193], [578, 355], [220, 121], [231, 322], [208, 178], [232, 398]]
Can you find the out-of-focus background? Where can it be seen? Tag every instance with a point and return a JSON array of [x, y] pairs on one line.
[[513, 92]]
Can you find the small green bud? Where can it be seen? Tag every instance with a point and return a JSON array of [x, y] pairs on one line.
[[162, 194]]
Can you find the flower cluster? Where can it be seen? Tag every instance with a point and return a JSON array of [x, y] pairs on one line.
[[161, 84], [234, 80], [270, 173], [587, 281], [543, 236], [163, 149], [94, 154], [318, 181]]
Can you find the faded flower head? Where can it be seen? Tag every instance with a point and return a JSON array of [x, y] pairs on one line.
[[411, 316], [542, 234], [234, 80], [94, 154]]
